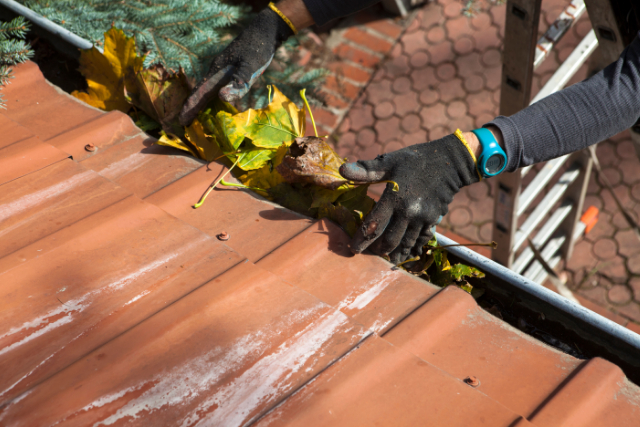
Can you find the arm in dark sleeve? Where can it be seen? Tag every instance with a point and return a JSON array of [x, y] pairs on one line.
[[576, 117], [324, 11]]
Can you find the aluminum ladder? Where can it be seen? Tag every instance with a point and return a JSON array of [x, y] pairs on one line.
[[555, 220]]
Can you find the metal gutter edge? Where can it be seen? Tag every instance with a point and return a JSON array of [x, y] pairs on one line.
[[69, 43], [607, 338]]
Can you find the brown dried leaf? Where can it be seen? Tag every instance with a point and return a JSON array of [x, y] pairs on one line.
[[311, 160]]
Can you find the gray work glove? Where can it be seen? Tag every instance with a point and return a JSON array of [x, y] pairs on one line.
[[428, 176], [238, 66]]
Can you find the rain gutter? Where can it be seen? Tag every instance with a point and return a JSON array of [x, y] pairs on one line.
[[594, 334], [64, 40]]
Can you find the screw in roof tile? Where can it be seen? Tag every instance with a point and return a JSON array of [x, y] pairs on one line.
[[472, 381], [224, 236], [90, 147]]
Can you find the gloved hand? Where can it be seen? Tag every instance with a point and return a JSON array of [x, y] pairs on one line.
[[428, 176], [238, 66]]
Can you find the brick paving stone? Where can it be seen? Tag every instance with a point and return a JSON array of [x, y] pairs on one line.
[[411, 123], [384, 110], [624, 150], [341, 87], [635, 192], [453, 10], [603, 228], [464, 45], [583, 256], [401, 85], [361, 117], [627, 242], [482, 119], [388, 129], [367, 39], [495, 97], [392, 146], [492, 58], [630, 170], [417, 137], [459, 27], [593, 200], [606, 153], [460, 216], [433, 116], [436, 35], [480, 103], [619, 295], [457, 109], [478, 191], [451, 90], [469, 65], [487, 39], [634, 283], [423, 78], [429, 97], [486, 231], [398, 66], [413, 42], [631, 310], [474, 83], [633, 264], [419, 59], [438, 132], [406, 103], [635, 327], [353, 54], [386, 27], [615, 270], [446, 72], [441, 52], [493, 79], [368, 153], [415, 24], [605, 248], [347, 141], [379, 91], [613, 175], [481, 21], [366, 137], [433, 16], [620, 222]]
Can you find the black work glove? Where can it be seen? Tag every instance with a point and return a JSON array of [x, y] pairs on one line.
[[428, 176], [238, 66]]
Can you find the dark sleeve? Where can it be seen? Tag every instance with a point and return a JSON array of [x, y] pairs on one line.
[[324, 11], [576, 117]]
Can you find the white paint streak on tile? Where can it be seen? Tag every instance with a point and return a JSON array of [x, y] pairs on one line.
[[369, 292], [117, 169], [137, 297], [269, 376], [28, 201]]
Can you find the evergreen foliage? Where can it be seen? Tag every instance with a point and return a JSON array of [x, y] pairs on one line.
[[174, 33], [13, 49]]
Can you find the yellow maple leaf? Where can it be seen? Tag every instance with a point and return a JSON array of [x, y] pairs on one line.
[[105, 72], [207, 148], [267, 176], [169, 140]]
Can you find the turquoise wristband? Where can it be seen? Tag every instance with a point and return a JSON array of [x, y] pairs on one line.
[[492, 160]]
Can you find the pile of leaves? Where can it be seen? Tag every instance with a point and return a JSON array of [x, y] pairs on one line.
[[13, 49], [266, 148]]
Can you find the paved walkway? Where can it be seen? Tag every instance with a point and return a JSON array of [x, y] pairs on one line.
[[443, 72]]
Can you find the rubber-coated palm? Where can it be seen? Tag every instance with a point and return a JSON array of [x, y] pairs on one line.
[[238, 66], [428, 176]]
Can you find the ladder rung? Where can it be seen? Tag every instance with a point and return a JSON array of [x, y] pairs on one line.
[[562, 24], [543, 235], [569, 67], [541, 179], [547, 253], [545, 205], [542, 275]]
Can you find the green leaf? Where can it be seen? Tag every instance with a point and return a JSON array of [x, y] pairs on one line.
[[294, 198], [253, 157], [440, 258], [460, 271], [233, 131], [356, 199], [341, 216]]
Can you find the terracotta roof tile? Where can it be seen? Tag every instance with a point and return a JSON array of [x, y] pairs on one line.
[[119, 305]]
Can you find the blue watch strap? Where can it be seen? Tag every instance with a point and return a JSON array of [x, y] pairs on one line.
[[492, 160]]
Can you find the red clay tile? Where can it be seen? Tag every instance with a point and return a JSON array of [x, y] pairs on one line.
[[93, 280], [26, 156], [242, 214], [42, 203], [363, 286], [141, 166], [32, 102], [12, 132], [211, 357], [380, 384], [103, 131]]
